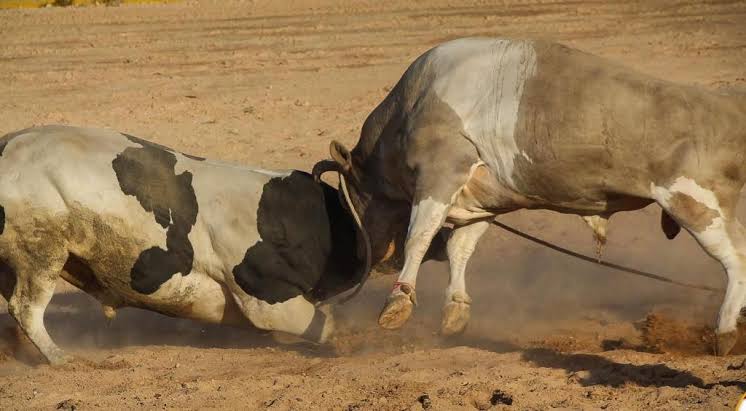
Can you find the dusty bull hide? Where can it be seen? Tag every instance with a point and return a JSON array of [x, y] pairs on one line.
[[137, 224]]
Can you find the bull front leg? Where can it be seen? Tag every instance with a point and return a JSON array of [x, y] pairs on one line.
[[426, 219], [457, 307], [437, 189]]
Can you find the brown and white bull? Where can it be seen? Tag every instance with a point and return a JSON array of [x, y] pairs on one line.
[[136, 224], [478, 127]]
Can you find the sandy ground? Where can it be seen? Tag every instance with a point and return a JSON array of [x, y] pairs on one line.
[[270, 83]]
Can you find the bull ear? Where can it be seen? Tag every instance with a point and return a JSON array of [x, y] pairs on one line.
[[341, 155]]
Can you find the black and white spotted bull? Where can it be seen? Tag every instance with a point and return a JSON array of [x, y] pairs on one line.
[[137, 224], [479, 127]]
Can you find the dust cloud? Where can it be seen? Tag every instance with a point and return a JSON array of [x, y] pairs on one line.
[[76, 322], [523, 295]]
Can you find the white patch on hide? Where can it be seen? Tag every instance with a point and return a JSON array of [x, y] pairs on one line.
[[426, 219], [483, 81], [714, 238]]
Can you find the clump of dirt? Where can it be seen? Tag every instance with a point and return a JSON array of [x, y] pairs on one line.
[[113, 362], [68, 405], [662, 333], [110, 363], [356, 340], [568, 343]]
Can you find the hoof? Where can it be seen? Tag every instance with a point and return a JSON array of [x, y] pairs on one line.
[[725, 342], [455, 317], [456, 314], [61, 359], [397, 311]]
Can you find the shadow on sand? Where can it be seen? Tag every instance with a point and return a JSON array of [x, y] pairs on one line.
[[589, 370], [75, 321]]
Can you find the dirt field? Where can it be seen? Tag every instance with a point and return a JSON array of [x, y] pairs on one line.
[[270, 83]]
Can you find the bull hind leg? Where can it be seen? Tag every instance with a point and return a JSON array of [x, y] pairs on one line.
[[36, 277], [721, 235], [725, 241]]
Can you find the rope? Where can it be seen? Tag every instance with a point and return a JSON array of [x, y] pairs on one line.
[[603, 263], [366, 240]]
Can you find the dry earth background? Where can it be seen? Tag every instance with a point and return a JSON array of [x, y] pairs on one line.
[[270, 83]]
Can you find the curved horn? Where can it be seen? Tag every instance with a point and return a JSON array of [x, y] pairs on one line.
[[323, 166], [363, 234]]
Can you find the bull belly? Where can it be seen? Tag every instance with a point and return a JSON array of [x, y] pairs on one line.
[[195, 296], [486, 194]]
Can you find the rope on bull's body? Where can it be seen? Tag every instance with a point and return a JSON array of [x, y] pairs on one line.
[[319, 169], [563, 251], [602, 263], [356, 217]]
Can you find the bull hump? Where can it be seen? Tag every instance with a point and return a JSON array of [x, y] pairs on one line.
[[148, 174], [295, 243]]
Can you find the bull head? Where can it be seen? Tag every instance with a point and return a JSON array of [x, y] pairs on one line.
[[342, 165]]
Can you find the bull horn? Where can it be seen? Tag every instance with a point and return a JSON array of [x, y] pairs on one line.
[[363, 234], [322, 167]]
